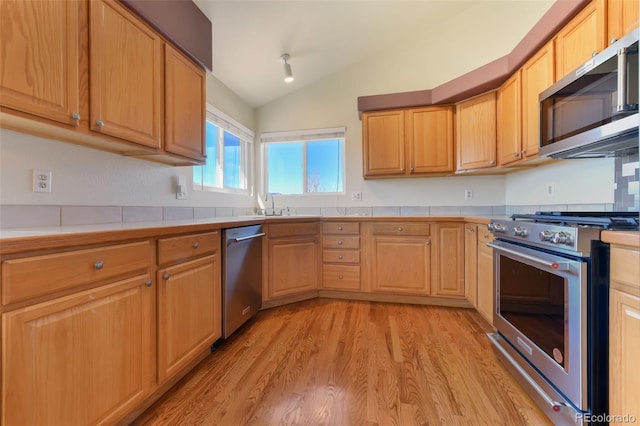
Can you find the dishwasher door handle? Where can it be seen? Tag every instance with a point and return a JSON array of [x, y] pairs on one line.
[[248, 237]]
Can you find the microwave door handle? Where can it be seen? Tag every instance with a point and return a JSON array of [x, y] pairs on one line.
[[556, 266], [622, 81]]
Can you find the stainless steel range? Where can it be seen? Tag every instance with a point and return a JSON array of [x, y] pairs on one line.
[[551, 287]]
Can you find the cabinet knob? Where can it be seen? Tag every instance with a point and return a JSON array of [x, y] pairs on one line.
[[400, 229], [402, 169], [523, 152], [493, 163], [98, 265], [427, 243], [196, 245], [99, 123], [613, 40], [411, 169], [340, 277], [339, 242], [339, 228], [340, 257], [75, 116], [594, 53], [516, 154], [166, 276], [149, 283]]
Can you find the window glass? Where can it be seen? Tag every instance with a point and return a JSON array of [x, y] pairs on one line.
[[305, 167], [210, 170], [232, 161]]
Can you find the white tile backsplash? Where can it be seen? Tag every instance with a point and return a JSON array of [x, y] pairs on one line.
[[21, 216], [90, 215], [178, 213], [204, 212], [141, 214]]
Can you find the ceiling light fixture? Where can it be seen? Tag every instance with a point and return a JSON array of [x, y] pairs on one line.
[[288, 75]]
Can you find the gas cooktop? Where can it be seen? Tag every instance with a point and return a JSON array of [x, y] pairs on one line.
[[602, 220]]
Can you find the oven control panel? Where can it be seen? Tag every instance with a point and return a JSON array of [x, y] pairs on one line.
[[569, 239]]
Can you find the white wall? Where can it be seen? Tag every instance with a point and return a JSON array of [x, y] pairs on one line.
[[84, 176], [434, 56]]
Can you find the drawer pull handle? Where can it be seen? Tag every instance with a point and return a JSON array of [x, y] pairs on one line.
[[340, 277], [75, 116], [196, 245], [340, 257], [400, 229], [149, 283], [100, 123], [166, 276], [339, 242], [339, 228], [427, 243], [98, 265]]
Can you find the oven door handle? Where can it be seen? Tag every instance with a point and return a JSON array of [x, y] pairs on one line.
[[556, 266]]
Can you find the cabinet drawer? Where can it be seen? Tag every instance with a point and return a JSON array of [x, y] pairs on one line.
[[341, 256], [277, 230], [341, 277], [177, 249], [40, 275], [349, 228], [340, 242], [625, 266], [400, 228]]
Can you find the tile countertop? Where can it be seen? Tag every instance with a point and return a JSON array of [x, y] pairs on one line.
[[15, 240], [623, 238]]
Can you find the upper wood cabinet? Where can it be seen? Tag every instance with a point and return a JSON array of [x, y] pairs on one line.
[[429, 135], [622, 18], [581, 38], [39, 52], [509, 118], [536, 75], [411, 142], [185, 94], [383, 143], [126, 75], [110, 84], [476, 132]]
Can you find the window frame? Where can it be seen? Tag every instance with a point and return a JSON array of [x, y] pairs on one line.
[[303, 137], [224, 123]]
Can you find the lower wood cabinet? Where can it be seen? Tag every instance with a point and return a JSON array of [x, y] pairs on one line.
[[485, 297], [293, 259], [624, 333], [449, 260], [82, 359], [341, 256], [189, 312]]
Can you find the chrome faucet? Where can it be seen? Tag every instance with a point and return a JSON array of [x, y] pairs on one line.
[[273, 203]]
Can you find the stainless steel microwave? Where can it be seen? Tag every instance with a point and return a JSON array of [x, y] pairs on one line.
[[593, 111]]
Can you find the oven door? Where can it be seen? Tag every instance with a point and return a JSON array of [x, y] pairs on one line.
[[540, 309]]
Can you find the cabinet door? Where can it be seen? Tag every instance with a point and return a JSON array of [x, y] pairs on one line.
[[537, 75], [508, 130], [383, 143], [485, 275], [83, 359], [622, 18], [401, 264], [580, 38], [39, 52], [476, 132], [449, 261], [293, 266], [189, 312], [471, 263], [184, 106], [624, 347], [126, 75], [429, 135]]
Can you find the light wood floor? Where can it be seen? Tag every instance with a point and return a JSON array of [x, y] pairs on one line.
[[333, 362]]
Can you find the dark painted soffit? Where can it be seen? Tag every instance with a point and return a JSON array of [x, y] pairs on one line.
[[486, 77]]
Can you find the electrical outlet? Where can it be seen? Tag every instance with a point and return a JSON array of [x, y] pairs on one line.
[[356, 196], [41, 180], [551, 190], [468, 194]]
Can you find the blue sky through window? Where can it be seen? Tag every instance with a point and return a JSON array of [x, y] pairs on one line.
[[286, 167]]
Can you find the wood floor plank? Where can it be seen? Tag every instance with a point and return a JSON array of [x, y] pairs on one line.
[[333, 362]]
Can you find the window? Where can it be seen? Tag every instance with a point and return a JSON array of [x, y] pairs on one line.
[[228, 148], [304, 162]]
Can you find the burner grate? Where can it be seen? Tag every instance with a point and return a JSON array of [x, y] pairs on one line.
[[604, 220]]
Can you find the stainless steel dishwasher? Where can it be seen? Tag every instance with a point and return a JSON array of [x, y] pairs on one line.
[[242, 276]]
